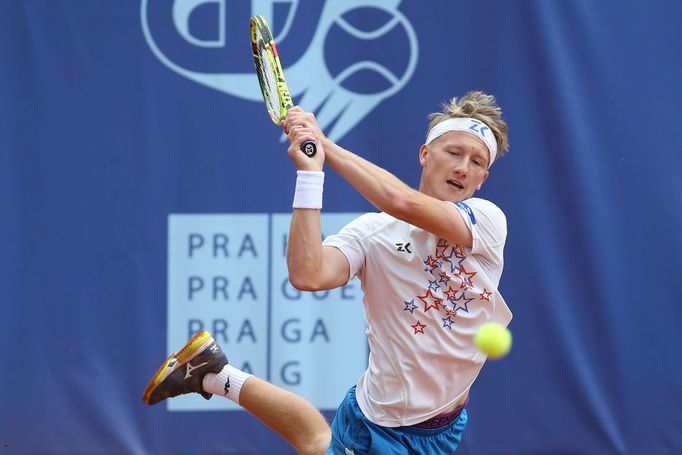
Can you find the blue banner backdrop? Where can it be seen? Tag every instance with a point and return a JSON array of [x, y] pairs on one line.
[[145, 194]]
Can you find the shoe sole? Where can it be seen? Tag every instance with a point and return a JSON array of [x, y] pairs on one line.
[[190, 350]]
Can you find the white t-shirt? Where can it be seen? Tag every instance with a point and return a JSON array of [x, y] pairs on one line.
[[424, 300]]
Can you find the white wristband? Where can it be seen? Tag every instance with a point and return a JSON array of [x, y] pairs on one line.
[[309, 185]]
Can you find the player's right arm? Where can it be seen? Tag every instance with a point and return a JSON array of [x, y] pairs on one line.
[[312, 266]]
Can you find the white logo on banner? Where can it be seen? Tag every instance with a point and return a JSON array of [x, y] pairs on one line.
[[327, 93]]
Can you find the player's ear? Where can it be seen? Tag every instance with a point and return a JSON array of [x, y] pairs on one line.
[[423, 151], [485, 177]]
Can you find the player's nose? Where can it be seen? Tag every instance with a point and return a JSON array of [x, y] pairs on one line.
[[460, 167]]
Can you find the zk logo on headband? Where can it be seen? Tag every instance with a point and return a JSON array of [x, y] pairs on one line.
[[467, 125], [204, 43]]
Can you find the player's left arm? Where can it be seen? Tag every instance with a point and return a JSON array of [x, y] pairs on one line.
[[388, 193]]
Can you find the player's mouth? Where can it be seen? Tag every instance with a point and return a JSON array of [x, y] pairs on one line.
[[455, 184]]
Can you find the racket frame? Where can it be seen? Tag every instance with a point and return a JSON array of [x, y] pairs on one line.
[[258, 25]]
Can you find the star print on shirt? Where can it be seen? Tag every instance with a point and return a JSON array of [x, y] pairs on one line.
[[430, 301], [441, 248], [447, 322], [444, 278], [485, 295], [465, 277], [418, 327], [461, 302], [430, 263], [433, 285], [410, 306], [455, 256], [450, 293]]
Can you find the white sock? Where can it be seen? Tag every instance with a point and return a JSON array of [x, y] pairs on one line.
[[228, 383]]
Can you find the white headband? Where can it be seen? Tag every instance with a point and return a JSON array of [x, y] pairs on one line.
[[468, 125]]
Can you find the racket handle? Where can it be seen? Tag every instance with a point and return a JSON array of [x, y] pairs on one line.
[[309, 148]]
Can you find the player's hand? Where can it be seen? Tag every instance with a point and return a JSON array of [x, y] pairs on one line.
[[300, 126], [297, 116]]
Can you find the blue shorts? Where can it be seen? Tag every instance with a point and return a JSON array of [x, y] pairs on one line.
[[353, 434]]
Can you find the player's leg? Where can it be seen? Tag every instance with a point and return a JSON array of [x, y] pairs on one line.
[[288, 414], [201, 367]]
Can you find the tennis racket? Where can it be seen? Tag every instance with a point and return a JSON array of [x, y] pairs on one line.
[[271, 76]]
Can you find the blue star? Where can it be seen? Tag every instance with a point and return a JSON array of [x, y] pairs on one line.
[[433, 285], [430, 265], [457, 302], [410, 306], [454, 264], [447, 322]]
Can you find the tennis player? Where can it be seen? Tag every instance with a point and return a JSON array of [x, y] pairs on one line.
[[430, 263]]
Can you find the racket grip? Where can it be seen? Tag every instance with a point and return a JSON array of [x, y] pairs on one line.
[[309, 148]]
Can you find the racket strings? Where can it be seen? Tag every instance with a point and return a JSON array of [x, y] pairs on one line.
[[269, 77]]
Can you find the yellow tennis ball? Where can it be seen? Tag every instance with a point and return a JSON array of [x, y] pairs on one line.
[[493, 340]]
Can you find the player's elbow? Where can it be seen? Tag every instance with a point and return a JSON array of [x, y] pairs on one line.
[[304, 282]]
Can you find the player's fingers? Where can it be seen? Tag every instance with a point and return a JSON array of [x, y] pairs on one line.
[[294, 130], [308, 120], [304, 134], [292, 114], [285, 124], [301, 135], [299, 128], [298, 115]]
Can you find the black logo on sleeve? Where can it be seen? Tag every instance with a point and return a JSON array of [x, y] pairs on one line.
[[404, 247]]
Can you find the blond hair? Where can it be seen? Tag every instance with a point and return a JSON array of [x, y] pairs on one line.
[[479, 106]]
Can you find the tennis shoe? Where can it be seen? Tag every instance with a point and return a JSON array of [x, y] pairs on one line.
[[183, 372]]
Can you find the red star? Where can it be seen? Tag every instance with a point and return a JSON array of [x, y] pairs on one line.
[[444, 277], [418, 327], [440, 249], [451, 313], [450, 293], [434, 302], [466, 277], [431, 261], [455, 251], [485, 295]]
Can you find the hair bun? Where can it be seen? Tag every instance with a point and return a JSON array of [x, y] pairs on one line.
[[469, 108]]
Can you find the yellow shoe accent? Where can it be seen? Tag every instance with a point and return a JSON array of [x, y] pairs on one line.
[[190, 350]]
